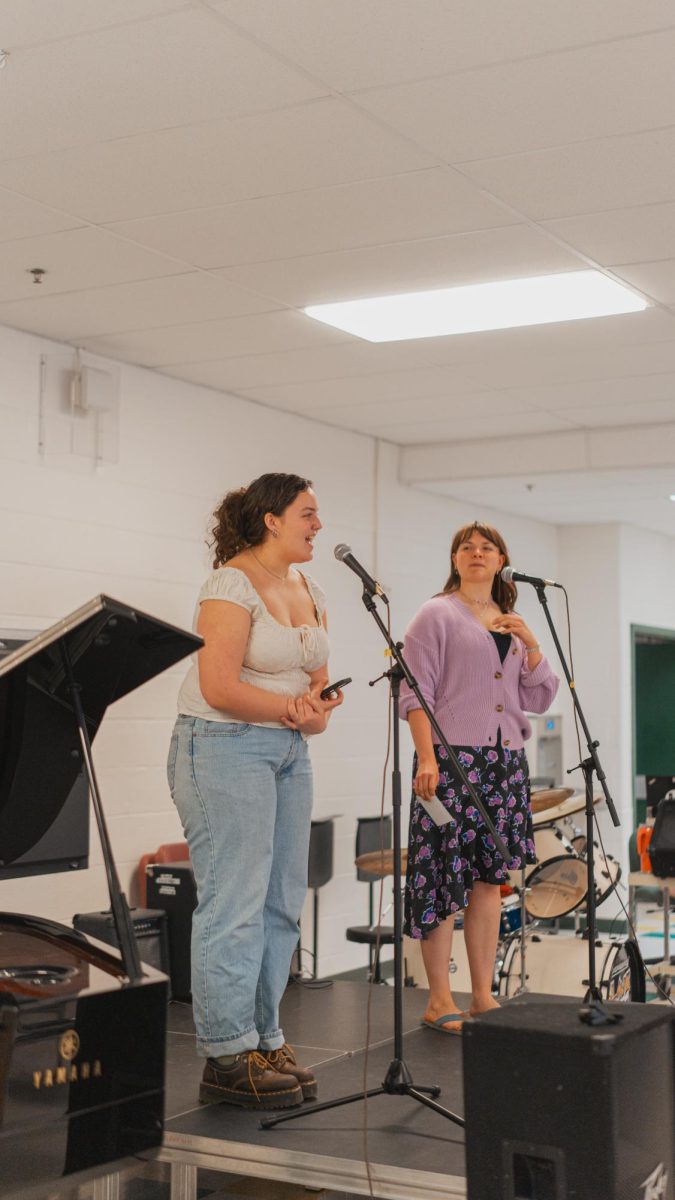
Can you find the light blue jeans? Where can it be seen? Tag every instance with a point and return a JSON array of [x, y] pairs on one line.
[[244, 795]]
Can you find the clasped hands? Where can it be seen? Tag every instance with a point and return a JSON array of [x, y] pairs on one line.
[[309, 713], [511, 623]]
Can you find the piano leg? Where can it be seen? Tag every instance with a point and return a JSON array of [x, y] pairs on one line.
[[183, 1181], [106, 1187]]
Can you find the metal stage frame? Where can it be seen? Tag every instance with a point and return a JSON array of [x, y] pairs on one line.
[[412, 1153]]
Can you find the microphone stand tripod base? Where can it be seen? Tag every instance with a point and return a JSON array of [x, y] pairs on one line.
[[398, 1080]]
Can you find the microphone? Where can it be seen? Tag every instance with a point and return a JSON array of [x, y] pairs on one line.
[[509, 575], [343, 553]]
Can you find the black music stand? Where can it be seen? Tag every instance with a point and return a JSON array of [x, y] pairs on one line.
[[54, 692]]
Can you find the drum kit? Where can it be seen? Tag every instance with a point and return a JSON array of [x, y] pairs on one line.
[[556, 886]]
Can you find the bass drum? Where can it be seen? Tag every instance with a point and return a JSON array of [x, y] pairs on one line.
[[557, 965], [605, 873]]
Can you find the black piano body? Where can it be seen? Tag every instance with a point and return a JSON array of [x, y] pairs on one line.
[[81, 1054], [82, 1027]]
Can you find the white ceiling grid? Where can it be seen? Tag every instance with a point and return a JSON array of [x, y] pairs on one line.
[[191, 173]]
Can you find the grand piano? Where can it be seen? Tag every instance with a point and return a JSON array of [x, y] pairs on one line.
[[82, 1027]]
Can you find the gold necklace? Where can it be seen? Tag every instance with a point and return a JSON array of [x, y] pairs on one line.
[[283, 578], [478, 603]]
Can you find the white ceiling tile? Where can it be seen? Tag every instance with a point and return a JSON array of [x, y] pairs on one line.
[[21, 218], [655, 279], [350, 357], [354, 45], [517, 424], [146, 304], [457, 406], [640, 412], [29, 22], [314, 145], [491, 254], [360, 390], [612, 362], [497, 116], [151, 75], [585, 177], [624, 235], [368, 212], [262, 333], [540, 345], [78, 258]]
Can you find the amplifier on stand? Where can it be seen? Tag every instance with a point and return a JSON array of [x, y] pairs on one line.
[[150, 931], [557, 1108], [171, 887]]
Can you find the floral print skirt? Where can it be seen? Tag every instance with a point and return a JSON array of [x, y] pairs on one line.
[[444, 861]]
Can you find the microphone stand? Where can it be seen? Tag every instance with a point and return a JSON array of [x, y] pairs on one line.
[[593, 1011], [398, 1080]]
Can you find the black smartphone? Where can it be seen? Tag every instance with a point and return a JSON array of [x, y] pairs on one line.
[[328, 693]]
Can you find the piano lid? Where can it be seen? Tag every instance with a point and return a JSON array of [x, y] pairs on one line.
[[113, 649]]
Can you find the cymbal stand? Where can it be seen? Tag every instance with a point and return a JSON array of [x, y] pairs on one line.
[[592, 1012], [523, 918]]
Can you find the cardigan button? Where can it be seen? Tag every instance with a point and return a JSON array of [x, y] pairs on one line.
[[514, 651], [498, 674], [499, 707]]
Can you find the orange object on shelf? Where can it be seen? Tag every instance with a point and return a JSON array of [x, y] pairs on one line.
[[643, 838]]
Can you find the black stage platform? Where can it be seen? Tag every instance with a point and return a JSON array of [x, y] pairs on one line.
[[412, 1150]]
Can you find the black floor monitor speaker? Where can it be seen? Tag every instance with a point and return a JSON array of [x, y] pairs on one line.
[[171, 887], [560, 1110], [150, 931]]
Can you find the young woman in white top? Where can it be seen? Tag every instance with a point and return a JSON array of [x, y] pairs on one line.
[[241, 778]]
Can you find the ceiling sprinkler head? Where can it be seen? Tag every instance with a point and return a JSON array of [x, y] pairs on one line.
[[4, 55], [37, 273]]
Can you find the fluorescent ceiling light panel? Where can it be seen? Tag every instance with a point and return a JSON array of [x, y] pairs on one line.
[[572, 296]]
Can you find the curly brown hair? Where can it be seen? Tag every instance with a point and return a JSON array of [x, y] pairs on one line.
[[239, 520], [504, 594]]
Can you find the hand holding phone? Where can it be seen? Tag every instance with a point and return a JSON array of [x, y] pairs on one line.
[[330, 692]]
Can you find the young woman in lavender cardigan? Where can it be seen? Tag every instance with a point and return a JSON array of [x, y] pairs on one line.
[[479, 668]]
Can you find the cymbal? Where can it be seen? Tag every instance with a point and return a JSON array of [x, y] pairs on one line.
[[574, 804], [549, 797], [381, 862]]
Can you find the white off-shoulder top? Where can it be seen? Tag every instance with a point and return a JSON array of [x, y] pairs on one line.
[[277, 657]]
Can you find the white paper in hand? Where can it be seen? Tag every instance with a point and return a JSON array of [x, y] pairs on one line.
[[437, 811]]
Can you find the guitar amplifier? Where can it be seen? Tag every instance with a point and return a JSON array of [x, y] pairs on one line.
[[556, 1108], [171, 887], [150, 931]]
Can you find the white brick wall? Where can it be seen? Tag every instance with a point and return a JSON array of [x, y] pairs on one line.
[[136, 531]]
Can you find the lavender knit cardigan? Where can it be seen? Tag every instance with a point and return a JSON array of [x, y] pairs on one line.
[[470, 692]]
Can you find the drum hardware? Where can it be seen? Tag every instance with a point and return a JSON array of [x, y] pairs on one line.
[[524, 890], [558, 965], [607, 871]]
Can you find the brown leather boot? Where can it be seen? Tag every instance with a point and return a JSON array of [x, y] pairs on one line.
[[249, 1083], [283, 1061]]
